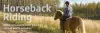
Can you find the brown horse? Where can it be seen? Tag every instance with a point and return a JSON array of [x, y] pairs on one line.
[[72, 24]]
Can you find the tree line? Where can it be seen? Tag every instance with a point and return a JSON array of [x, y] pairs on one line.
[[87, 10], [53, 3]]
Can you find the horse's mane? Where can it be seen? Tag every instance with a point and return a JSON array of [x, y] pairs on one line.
[[59, 11]]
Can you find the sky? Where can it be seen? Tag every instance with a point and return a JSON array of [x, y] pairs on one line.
[[77, 1]]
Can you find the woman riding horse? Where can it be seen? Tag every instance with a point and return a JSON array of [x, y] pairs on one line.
[[71, 24], [67, 14], [67, 23]]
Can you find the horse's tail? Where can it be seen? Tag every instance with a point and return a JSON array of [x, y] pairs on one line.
[[82, 26]]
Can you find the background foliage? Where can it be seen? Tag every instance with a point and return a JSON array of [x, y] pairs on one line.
[[88, 10]]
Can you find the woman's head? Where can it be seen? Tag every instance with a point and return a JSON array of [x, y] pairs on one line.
[[67, 3]]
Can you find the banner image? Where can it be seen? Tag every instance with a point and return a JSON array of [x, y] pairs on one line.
[[49, 16]]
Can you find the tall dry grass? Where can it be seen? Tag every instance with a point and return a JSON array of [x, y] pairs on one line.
[[52, 26], [91, 26]]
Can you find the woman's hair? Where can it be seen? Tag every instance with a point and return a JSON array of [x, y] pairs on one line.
[[67, 2]]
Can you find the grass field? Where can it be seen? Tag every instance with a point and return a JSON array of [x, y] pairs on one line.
[[92, 26], [49, 25]]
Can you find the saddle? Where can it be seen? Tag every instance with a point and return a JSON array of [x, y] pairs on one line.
[[65, 18]]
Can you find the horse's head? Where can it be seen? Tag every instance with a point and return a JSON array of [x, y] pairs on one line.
[[58, 15]]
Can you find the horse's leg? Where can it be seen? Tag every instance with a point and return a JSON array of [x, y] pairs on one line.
[[82, 28], [62, 31], [65, 31], [73, 31], [73, 28]]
